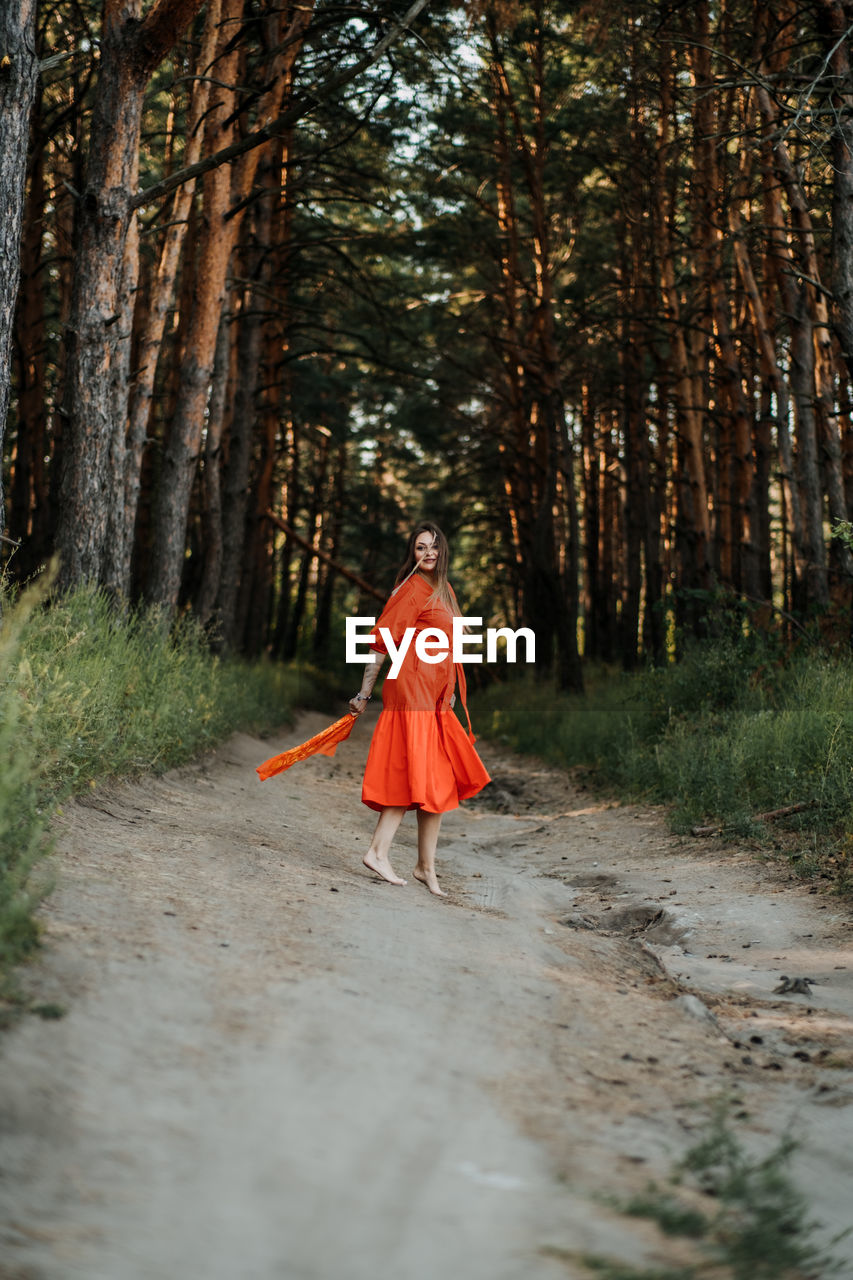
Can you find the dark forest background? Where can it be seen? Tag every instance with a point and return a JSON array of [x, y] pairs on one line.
[[573, 279]]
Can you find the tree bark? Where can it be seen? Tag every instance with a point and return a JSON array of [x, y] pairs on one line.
[[776, 379], [93, 530], [29, 505], [184, 437], [542, 447], [162, 289], [18, 79], [694, 513], [256, 414], [312, 549], [224, 211], [813, 315], [806, 468], [211, 485], [837, 19], [326, 584]]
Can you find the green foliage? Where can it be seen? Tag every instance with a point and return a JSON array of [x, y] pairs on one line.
[[88, 693], [619, 1271], [725, 735], [673, 1217], [751, 1218], [22, 817]]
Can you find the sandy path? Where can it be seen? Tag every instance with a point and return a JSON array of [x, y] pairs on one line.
[[275, 1067]]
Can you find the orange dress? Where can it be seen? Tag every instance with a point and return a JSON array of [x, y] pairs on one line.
[[420, 756]]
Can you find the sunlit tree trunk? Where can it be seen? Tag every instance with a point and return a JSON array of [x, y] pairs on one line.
[[225, 199], [837, 21], [550, 591], [163, 285], [184, 434]]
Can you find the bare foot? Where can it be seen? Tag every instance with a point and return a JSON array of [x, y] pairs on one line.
[[381, 867], [431, 882]]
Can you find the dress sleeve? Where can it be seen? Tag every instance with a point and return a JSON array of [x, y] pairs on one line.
[[401, 611]]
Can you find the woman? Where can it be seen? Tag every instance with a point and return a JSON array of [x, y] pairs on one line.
[[420, 756]]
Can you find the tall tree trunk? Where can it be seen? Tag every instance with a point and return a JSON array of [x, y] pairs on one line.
[[291, 501], [777, 381], [551, 592], [184, 436], [595, 586], [313, 528], [694, 514], [837, 20], [28, 489], [212, 538], [813, 583], [636, 465], [326, 591], [256, 402], [18, 77], [93, 530], [162, 287], [814, 315], [225, 206], [235, 496], [654, 622], [611, 506], [259, 554], [634, 389]]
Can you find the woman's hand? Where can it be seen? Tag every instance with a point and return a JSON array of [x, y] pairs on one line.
[[358, 702]]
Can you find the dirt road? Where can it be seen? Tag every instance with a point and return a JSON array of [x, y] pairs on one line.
[[275, 1067]]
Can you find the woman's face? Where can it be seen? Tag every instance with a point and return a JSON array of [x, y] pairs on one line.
[[426, 552]]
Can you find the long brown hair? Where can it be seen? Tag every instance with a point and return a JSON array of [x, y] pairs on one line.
[[442, 589]]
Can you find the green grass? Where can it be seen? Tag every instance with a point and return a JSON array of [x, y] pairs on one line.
[[727, 734], [87, 693], [750, 1219]]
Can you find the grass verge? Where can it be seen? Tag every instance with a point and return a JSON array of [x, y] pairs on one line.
[[726, 735], [87, 693], [746, 1216]]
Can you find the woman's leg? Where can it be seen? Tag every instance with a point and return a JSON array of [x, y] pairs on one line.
[[428, 825], [376, 858]]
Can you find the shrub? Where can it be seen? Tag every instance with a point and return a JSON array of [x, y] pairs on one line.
[[725, 735], [87, 692]]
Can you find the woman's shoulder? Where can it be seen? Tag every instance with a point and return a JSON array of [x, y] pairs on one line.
[[409, 588]]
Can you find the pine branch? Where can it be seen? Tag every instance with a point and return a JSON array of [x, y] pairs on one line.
[[296, 111]]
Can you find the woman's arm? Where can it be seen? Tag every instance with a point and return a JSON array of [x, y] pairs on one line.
[[358, 703]]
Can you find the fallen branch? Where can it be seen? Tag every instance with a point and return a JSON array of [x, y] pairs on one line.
[[784, 813], [770, 816], [321, 555]]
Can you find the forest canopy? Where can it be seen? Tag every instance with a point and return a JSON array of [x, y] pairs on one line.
[[575, 280]]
